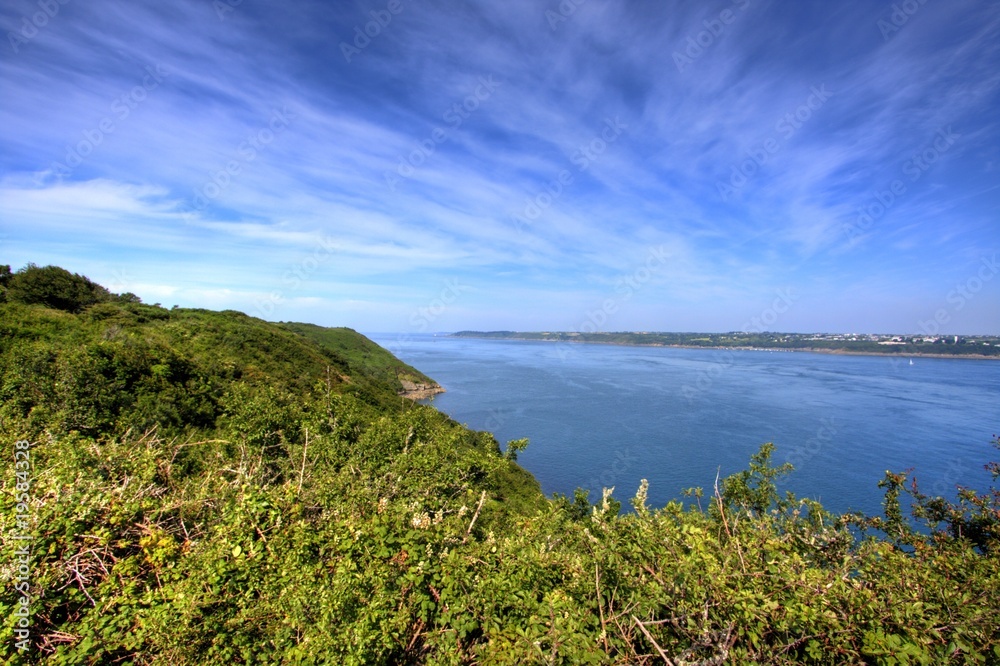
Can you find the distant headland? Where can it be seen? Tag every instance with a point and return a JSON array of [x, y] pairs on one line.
[[934, 346]]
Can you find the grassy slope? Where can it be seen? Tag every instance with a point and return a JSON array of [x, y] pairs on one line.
[[364, 356], [196, 353]]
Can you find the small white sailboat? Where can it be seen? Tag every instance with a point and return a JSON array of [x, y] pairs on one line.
[[911, 361]]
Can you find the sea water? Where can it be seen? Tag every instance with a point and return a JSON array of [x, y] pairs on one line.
[[608, 416]]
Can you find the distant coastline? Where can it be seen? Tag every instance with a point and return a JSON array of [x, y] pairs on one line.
[[791, 343]]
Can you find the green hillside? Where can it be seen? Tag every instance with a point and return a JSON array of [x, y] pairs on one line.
[[194, 487], [364, 356]]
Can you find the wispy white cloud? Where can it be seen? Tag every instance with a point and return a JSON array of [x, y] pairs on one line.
[[198, 187]]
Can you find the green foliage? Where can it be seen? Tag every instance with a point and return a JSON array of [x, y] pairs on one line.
[[208, 488], [53, 287], [973, 520], [754, 490], [5, 276], [514, 447], [364, 357]]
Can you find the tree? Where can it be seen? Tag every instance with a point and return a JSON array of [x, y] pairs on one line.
[[5, 276], [54, 287], [515, 446]]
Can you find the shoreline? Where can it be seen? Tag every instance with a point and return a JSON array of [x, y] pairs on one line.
[[814, 350], [415, 391]]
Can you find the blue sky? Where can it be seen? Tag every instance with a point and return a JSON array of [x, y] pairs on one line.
[[421, 166]]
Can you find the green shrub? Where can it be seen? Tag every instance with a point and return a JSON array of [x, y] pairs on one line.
[[53, 287]]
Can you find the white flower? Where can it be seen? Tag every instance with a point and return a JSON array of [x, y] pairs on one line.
[[598, 515], [421, 521], [640, 497], [606, 495]]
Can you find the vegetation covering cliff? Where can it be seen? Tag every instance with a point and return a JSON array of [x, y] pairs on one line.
[[367, 357], [207, 488]]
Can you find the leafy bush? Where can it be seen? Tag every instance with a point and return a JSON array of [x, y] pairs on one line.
[[53, 287]]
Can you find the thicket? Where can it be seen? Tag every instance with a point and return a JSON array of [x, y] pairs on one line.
[[209, 488]]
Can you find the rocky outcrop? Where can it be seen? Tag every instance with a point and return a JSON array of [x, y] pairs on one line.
[[417, 391]]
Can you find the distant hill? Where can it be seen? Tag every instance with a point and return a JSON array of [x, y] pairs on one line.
[[977, 346]]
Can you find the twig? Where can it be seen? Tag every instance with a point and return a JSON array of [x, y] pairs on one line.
[[302, 471], [600, 607], [663, 654], [50, 640], [482, 498], [80, 581], [655, 575], [159, 584], [725, 523], [264, 539], [675, 619], [416, 635]]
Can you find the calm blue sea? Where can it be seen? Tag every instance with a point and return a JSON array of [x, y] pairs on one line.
[[601, 415]]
